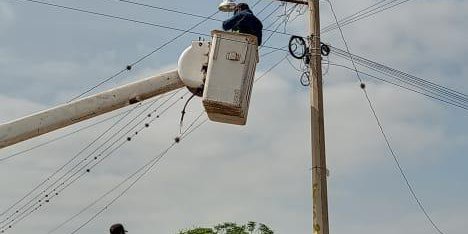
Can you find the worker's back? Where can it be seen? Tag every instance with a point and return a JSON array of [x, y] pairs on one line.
[[244, 21]]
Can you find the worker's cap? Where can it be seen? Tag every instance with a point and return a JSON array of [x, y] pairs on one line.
[[117, 229], [242, 6]]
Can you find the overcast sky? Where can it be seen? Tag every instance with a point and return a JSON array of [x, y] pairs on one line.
[[258, 172]]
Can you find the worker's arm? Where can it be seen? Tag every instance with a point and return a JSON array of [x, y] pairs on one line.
[[232, 22]]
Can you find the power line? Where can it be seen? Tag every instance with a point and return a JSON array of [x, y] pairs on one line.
[[356, 14], [128, 19], [398, 85], [269, 15], [66, 164], [67, 134], [62, 183], [271, 68], [189, 130], [17, 216], [145, 168], [285, 20], [115, 75], [129, 67], [456, 94], [255, 81], [362, 14], [440, 92], [36, 1], [147, 55], [265, 7], [256, 3], [382, 131], [152, 6], [273, 51]]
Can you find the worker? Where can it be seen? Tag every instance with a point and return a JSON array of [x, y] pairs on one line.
[[244, 21], [117, 229]]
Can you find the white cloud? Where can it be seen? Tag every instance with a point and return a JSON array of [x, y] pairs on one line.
[[261, 171], [6, 16], [13, 108]]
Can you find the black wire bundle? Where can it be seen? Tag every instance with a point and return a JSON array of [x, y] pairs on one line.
[[427, 88], [364, 13], [73, 170]]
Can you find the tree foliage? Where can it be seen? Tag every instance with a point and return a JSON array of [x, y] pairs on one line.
[[232, 228]]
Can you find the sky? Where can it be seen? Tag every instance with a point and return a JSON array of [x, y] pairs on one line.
[[261, 171]]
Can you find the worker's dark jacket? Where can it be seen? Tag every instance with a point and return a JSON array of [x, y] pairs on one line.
[[245, 22]]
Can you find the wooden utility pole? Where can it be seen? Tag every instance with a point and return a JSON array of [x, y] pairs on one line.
[[319, 166]]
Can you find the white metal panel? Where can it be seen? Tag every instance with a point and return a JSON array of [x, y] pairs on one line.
[[193, 63], [88, 107], [231, 69]]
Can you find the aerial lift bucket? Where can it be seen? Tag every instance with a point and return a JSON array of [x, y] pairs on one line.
[[231, 69], [225, 69]]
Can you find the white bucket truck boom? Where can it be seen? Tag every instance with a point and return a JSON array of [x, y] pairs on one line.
[[221, 71]]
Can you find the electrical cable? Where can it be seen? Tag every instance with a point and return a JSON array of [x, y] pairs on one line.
[[400, 169], [112, 77], [184, 134], [66, 164], [256, 3], [63, 136], [277, 27], [255, 81], [367, 13], [55, 189], [90, 144], [293, 66], [145, 56], [264, 8], [273, 51], [67, 134], [53, 174], [387, 141], [272, 67], [181, 123], [184, 12], [127, 19], [148, 167], [191, 125], [356, 14], [279, 17], [396, 84], [300, 12], [58, 190], [439, 88], [269, 15], [35, 1], [374, 13], [445, 94], [190, 129]]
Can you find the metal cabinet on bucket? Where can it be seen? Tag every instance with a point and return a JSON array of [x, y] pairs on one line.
[[231, 68]]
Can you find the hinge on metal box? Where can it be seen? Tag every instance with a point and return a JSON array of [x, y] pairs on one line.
[[233, 56]]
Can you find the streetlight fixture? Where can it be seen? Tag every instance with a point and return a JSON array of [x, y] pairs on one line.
[[227, 6]]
